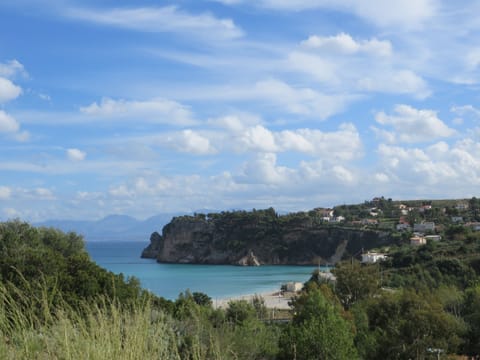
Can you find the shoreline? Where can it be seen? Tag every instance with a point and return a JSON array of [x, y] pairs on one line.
[[273, 300]]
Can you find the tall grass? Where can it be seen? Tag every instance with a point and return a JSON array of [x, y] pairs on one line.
[[36, 324], [31, 329]]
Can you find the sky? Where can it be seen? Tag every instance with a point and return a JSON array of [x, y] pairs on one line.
[[146, 107]]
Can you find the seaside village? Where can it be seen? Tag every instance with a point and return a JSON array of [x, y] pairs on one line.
[[417, 220], [412, 221]]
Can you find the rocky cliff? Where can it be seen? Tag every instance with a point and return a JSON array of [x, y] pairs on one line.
[[258, 237]]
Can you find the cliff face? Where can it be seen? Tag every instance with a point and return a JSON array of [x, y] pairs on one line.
[[259, 237]]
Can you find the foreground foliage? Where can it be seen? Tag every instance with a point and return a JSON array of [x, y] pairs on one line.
[[57, 304]]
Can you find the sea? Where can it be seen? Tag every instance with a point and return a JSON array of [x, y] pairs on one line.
[[169, 280]]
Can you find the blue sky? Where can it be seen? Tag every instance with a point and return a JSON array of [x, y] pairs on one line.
[[144, 107]]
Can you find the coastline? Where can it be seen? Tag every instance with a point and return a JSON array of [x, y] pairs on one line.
[[273, 300]]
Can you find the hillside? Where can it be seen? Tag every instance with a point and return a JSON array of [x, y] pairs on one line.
[[319, 236], [238, 237]]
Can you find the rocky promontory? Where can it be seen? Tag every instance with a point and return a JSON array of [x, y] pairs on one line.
[[259, 237]]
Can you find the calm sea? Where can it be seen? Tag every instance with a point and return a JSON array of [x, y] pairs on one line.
[[168, 280]]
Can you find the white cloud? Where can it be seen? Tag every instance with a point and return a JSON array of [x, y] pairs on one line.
[[347, 65], [7, 123], [5, 192], [235, 123], [395, 82], [189, 141], [258, 138], [76, 154], [452, 169], [302, 101], [344, 44], [412, 125], [11, 68], [323, 70], [381, 177], [162, 19], [43, 193], [403, 13], [8, 90], [465, 109], [156, 111], [264, 170]]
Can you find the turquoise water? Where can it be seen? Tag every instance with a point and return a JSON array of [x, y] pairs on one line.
[[168, 280]]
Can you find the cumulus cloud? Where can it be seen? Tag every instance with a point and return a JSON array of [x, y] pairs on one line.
[[8, 124], [258, 138], [76, 154], [155, 111], [161, 19], [8, 90], [344, 44], [449, 168], [192, 142], [264, 170], [412, 125], [11, 68], [343, 144]]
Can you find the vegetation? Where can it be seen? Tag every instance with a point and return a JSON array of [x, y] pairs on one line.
[[422, 302]]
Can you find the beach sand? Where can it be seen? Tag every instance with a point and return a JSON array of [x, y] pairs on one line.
[[273, 300]]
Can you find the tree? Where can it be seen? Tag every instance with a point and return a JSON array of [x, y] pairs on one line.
[[317, 331], [407, 324], [471, 315], [355, 282]]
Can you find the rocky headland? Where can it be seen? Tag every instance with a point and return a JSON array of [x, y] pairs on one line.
[[260, 237]]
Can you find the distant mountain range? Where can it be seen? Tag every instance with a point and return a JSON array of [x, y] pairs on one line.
[[113, 227]]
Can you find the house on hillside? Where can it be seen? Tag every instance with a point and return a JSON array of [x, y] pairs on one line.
[[457, 219], [372, 257], [433, 238], [424, 208], [418, 241], [462, 206], [424, 227], [403, 227], [475, 226]]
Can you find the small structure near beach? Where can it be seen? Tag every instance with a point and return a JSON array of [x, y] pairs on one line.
[[293, 286]]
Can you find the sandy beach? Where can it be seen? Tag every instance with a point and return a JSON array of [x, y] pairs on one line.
[[273, 300]]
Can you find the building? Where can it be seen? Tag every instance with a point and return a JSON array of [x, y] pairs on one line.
[[293, 286], [457, 219], [475, 226], [462, 205], [403, 227], [424, 227], [418, 241], [372, 257], [433, 237]]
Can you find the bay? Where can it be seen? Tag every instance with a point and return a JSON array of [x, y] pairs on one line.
[[168, 280]]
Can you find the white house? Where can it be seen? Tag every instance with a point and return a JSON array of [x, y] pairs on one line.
[[372, 257], [433, 237], [294, 286]]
